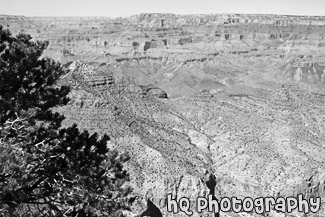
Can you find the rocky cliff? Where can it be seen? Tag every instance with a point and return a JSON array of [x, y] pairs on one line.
[[190, 97], [184, 54], [255, 142]]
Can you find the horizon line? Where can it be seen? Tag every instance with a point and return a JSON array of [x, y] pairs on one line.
[[162, 13]]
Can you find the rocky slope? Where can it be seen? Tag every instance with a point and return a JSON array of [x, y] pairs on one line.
[[255, 142], [236, 97]]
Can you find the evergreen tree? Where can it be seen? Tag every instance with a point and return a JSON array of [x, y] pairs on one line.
[[46, 170]]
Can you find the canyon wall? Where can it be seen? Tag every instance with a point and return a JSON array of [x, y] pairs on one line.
[[190, 97]]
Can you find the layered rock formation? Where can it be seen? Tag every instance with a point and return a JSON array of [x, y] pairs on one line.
[[184, 54], [255, 142], [190, 97]]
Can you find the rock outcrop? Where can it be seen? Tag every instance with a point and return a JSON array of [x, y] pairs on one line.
[[154, 91], [184, 54], [239, 98], [243, 142]]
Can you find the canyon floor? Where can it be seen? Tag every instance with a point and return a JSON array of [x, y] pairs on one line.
[[236, 99]]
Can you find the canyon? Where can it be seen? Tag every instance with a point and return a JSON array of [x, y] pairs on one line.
[[236, 100]]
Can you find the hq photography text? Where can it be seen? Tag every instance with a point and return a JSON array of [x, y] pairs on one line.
[[259, 205]]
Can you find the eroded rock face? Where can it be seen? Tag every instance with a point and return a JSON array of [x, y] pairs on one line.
[[246, 100], [184, 54], [154, 91], [255, 134], [152, 210], [257, 143], [126, 114]]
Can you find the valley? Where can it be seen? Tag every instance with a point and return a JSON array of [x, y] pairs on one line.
[[230, 97]]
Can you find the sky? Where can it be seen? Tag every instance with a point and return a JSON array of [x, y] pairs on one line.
[[122, 8]]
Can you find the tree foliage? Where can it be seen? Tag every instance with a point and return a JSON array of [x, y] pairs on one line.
[[47, 170]]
